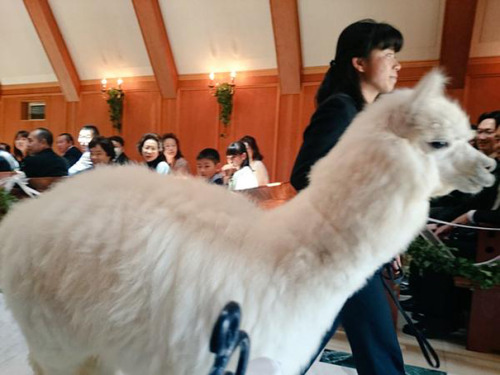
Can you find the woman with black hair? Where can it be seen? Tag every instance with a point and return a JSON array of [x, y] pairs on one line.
[[21, 145], [101, 150], [255, 159], [173, 154], [151, 151], [237, 172], [365, 66]]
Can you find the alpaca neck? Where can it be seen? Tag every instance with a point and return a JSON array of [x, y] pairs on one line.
[[360, 218]]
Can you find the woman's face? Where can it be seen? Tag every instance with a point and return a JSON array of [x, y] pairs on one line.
[[236, 160], [99, 156], [150, 150], [380, 70], [170, 147], [21, 143]]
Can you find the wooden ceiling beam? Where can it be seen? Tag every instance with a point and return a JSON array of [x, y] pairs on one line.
[[285, 19], [55, 48], [155, 36], [456, 39]]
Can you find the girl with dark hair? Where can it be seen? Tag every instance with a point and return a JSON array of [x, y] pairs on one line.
[[173, 154], [21, 145], [150, 149], [255, 158], [365, 66], [237, 172]]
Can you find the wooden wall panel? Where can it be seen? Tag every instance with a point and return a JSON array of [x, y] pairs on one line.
[[307, 106], [289, 136], [255, 114], [93, 110], [197, 123], [141, 114], [483, 95], [11, 115], [277, 121]]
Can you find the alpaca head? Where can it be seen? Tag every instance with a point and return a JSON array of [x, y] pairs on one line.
[[439, 128]]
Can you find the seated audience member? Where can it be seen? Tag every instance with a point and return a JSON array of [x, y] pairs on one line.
[[10, 160], [118, 144], [66, 147], [101, 151], [85, 135], [238, 174], [208, 166], [485, 135], [255, 158], [4, 147], [456, 203], [42, 161], [21, 145], [173, 154], [4, 165], [150, 149]]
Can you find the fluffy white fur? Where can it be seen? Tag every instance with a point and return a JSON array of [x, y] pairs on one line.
[[133, 268]]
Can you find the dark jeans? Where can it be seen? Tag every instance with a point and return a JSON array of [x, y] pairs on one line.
[[366, 318]]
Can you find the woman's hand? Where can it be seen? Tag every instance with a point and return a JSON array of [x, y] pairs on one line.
[[446, 229]]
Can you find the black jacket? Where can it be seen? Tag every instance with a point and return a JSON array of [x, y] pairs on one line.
[[72, 155], [327, 125], [44, 164], [122, 159]]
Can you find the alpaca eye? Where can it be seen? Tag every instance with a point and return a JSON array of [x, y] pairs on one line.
[[438, 144]]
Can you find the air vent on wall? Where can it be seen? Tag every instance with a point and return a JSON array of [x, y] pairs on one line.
[[33, 111]]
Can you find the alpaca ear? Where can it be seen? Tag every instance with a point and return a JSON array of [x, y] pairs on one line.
[[430, 86]]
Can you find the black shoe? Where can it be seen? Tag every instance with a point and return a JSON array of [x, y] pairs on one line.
[[417, 316], [409, 305], [404, 290]]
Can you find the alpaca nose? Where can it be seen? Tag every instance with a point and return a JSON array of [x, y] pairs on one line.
[[490, 164]]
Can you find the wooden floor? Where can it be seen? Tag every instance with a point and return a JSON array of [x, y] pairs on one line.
[[455, 359]]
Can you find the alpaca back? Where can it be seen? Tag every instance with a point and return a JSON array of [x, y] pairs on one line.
[[109, 246]]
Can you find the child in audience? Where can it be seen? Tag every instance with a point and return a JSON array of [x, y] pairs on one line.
[[238, 174], [208, 166], [101, 151], [255, 158], [150, 149]]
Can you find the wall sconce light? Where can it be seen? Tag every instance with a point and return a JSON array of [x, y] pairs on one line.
[[114, 97], [224, 93], [104, 85], [213, 86]]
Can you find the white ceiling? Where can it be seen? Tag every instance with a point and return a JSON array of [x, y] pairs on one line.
[[104, 39]]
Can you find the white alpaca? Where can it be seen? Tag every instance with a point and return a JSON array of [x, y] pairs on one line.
[[134, 268]]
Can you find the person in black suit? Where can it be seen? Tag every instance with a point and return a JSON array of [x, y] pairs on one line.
[[4, 165], [42, 160], [66, 147], [364, 67]]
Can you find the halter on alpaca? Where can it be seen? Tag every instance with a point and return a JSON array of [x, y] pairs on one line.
[[133, 267]]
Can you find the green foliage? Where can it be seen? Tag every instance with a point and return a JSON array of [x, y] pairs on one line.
[[6, 201], [445, 259], [115, 102], [224, 94]]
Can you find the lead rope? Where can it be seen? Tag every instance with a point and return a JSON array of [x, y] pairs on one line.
[[428, 351]]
